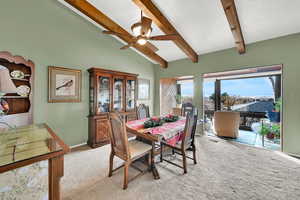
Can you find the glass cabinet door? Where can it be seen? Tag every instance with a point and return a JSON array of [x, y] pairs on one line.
[[118, 95], [104, 94], [130, 94], [91, 93]]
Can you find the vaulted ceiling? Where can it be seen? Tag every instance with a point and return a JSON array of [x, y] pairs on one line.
[[203, 23]]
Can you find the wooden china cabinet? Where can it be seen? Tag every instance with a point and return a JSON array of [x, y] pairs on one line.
[[110, 91]]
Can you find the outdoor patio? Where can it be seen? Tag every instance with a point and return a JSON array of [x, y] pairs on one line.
[[250, 138]]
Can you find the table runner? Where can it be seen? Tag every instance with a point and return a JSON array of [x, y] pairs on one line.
[[171, 132]]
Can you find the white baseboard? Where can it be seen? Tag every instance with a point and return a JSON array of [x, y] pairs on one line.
[[294, 155], [78, 145]]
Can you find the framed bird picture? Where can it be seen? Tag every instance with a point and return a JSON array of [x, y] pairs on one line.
[[64, 85]]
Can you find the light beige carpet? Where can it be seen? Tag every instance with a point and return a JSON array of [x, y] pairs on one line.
[[225, 170]]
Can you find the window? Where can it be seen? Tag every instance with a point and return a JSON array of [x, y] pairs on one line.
[[239, 94], [209, 95], [185, 90]]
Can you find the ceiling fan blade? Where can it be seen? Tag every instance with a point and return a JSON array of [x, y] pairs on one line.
[[151, 46], [112, 33], [164, 37], [146, 24]]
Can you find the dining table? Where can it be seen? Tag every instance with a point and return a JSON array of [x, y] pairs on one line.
[[171, 132]]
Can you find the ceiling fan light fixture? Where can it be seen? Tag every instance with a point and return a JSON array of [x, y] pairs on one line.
[[141, 41]]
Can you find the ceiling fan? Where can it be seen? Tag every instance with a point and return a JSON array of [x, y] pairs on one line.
[[142, 31]]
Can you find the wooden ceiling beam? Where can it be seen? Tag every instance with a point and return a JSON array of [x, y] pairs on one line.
[[100, 18], [234, 23], [163, 23]]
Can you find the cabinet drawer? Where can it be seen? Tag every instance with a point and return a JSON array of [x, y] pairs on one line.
[[102, 130]]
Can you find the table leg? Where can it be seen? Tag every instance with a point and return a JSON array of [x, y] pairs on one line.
[[153, 167], [56, 171]]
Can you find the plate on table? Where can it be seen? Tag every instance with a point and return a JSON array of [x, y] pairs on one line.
[[23, 90]]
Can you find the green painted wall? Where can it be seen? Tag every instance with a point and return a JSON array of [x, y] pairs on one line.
[[50, 34], [284, 50]]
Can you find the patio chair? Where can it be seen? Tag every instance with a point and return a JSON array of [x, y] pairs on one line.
[[187, 142], [129, 151], [227, 123], [142, 111]]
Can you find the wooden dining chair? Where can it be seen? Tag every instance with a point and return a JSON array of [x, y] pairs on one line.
[[187, 142], [129, 151], [186, 107], [142, 111]]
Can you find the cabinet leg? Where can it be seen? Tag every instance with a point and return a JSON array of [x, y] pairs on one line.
[[56, 171]]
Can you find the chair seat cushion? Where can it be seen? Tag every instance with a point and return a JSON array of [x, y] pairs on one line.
[[178, 144], [138, 148]]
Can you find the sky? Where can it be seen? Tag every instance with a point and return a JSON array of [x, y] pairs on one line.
[[187, 88], [251, 87]]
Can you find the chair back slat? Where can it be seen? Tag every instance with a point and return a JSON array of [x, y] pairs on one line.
[[186, 107], [195, 114], [190, 127], [142, 111], [118, 136]]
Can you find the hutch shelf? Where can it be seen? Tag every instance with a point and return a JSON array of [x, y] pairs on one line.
[[20, 71], [110, 91]]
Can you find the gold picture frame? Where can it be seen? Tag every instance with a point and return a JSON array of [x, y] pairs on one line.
[[64, 85]]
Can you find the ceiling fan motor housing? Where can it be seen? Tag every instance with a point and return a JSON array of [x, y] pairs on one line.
[[136, 29], [142, 28]]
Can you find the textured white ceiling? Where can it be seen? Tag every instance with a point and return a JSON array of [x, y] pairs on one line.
[[203, 24]]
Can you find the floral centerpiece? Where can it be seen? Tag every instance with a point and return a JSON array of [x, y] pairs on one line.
[[153, 122], [171, 118], [156, 121]]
